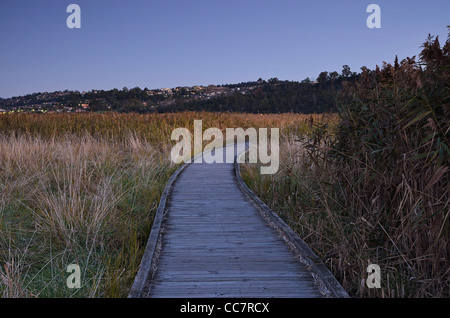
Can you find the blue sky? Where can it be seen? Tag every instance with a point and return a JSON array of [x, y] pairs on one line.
[[172, 43]]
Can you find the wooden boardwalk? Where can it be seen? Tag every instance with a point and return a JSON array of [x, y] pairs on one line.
[[212, 240]]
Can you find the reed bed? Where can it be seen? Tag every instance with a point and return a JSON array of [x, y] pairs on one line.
[[83, 189], [367, 186], [375, 188], [75, 200]]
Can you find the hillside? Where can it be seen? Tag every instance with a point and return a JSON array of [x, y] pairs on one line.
[[261, 96]]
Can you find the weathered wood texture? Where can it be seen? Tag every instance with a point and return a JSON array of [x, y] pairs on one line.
[[214, 242]]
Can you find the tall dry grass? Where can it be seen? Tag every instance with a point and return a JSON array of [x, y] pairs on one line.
[[155, 129], [83, 188], [80, 200], [375, 190]]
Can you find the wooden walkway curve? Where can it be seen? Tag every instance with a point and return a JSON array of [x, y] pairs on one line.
[[212, 237]]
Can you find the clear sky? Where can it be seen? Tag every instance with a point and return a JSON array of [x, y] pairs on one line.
[[170, 43]]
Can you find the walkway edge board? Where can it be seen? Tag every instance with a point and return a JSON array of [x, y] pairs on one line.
[[145, 268]]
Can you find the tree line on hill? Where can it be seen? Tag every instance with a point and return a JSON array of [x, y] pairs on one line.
[[276, 96], [261, 96], [273, 96]]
